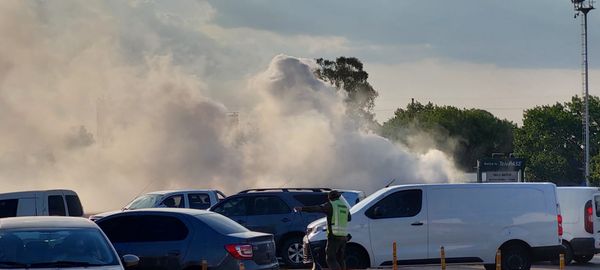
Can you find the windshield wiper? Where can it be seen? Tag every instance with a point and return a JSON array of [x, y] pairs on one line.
[[63, 264], [11, 264]]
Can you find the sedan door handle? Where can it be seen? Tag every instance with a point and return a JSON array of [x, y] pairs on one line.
[[418, 223], [285, 220]]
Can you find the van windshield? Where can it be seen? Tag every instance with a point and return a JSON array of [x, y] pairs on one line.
[[144, 201]]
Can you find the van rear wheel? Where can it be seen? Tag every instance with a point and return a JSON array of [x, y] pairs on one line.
[[583, 258], [515, 257]]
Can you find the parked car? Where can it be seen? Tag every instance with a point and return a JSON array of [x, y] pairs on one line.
[[580, 209], [471, 221], [270, 210], [56, 202], [175, 238], [57, 243], [184, 198]]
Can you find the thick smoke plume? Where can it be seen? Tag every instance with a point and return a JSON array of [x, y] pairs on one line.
[[80, 110]]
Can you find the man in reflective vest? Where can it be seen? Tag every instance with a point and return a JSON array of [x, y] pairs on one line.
[[338, 216]]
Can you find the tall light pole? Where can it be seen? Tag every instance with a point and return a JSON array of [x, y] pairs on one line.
[[584, 7]]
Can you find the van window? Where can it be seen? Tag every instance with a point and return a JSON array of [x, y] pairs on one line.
[[56, 206], [74, 206], [597, 199], [8, 208], [406, 203], [199, 201]]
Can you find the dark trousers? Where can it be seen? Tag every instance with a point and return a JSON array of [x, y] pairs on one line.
[[335, 252]]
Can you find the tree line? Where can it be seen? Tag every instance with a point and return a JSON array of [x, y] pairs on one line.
[[550, 138]]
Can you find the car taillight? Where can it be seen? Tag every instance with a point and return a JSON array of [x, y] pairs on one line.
[[560, 227], [240, 252], [588, 217]]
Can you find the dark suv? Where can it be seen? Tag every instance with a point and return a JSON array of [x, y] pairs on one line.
[[271, 211]]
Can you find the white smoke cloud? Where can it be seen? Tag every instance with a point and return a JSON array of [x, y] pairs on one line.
[[80, 110]]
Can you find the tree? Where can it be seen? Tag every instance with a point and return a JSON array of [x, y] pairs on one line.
[[465, 134], [551, 140], [347, 74]]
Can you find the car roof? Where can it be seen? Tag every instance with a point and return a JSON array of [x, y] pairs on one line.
[[511, 184], [165, 192], [27, 192], [45, 222], [186, 211]]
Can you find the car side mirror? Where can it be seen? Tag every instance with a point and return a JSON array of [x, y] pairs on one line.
[[130, 260]]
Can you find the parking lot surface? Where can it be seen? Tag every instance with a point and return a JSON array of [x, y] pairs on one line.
[[594, 264]]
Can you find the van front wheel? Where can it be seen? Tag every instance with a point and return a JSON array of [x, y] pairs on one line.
[[515, 257]]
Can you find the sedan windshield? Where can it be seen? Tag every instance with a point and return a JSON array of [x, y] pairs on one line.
[[144, 201], [60, 248]]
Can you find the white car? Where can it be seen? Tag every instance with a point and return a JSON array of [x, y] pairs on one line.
[[57, 243], [56, 202], [580, 207], [471, 222], [201, 199]]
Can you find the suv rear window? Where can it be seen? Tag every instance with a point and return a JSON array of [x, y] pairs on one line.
[[597, 200], [8, 208], [74, 206], [311, 199]]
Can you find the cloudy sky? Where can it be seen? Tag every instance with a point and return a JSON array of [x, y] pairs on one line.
[[502, 56]]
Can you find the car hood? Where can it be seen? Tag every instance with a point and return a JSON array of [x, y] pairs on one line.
[[318, 222]]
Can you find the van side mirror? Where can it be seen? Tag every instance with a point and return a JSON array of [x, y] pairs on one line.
[[130, 260]]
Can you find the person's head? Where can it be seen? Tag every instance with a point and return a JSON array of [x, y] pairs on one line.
[[333, 195]]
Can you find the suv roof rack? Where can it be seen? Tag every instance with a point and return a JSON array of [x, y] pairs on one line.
[[285, 189]]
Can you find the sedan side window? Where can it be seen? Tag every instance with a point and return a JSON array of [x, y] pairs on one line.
[[175, 201], [161, 228], [233, 207], [406, 203], [121, 229]]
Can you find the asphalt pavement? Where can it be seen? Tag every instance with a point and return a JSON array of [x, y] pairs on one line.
[[594, 264]]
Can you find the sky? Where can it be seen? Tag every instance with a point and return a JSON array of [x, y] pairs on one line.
[[113, 98], [502, 56]]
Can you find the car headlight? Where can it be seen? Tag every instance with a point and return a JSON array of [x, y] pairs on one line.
[[320, 228]]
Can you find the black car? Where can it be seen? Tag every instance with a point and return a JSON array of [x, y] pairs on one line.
[[170, 238], [271, 211]]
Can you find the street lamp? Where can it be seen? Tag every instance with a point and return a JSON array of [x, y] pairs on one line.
[[583, 7]]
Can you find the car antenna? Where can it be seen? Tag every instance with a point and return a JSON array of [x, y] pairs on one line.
[[390, 183]]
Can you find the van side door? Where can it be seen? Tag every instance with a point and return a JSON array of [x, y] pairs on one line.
[[401, 217]]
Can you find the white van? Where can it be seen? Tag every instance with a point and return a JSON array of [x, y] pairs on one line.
[[471, 221], [57, 202], [580, 208]]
